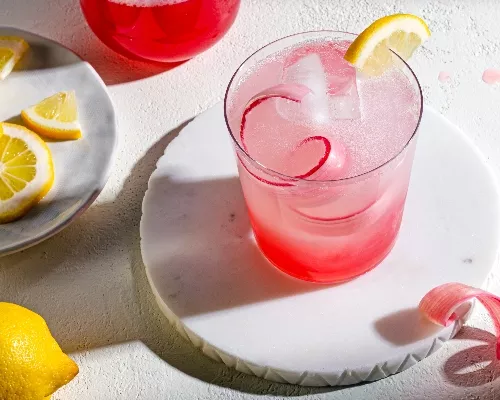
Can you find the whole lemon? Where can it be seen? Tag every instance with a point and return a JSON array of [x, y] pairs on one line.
[[32, 365]]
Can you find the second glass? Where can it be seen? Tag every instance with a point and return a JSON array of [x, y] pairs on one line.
[[160, 30], [341, 220]]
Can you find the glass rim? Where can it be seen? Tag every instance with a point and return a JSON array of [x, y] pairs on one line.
[[294, 179]]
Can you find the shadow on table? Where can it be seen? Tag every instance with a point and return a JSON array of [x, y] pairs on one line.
[[474, 366], [77, 36], [114, 68], [228, 222], [111, 313], [405, 326], [200, 248]]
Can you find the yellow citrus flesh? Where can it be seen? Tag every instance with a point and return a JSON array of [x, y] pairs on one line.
[[32, 365], [55, 117], [26, 171], [11, 50], [401, 33]]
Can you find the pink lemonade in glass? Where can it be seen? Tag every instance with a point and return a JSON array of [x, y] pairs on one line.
[[160, 30], [324, 154]]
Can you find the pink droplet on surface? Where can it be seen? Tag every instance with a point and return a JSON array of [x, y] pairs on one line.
[[491, 76], [444, 76]]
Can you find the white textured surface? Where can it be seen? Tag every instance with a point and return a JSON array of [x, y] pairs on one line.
[[220, 292], [89, 282]]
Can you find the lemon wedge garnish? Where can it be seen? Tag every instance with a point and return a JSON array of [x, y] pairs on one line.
[[56, 117], [402, 33], [26, 171], [11, 50]]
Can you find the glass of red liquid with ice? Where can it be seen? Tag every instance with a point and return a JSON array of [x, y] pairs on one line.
[[324, 154], [160, 30]]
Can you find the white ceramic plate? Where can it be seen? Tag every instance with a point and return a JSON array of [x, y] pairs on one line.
[[82, 167], [214, 285]]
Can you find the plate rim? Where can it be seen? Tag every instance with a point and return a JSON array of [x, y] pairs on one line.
[[103, 179]]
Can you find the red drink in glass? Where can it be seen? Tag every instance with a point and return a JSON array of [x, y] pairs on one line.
[[324, 174], [160, 30]]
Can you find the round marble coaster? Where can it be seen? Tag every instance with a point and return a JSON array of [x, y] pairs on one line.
[[213, 284]]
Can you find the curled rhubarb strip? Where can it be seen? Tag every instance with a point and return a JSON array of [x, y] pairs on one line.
[[279, 184], [440, 305], [322, 160], [291, 92]]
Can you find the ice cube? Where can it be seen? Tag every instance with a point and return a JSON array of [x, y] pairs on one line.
[[314, 108], [333, 83], [343, 102], [343, 98]]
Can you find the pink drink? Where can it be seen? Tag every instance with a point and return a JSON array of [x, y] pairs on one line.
[[324, 178], [160, 30]]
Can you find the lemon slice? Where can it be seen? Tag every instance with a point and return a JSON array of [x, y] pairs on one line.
[[26, 171], [11, 50], [56, 117], [402, 33]]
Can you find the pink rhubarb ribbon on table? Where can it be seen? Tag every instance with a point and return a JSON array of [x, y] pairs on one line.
[[439, 305]]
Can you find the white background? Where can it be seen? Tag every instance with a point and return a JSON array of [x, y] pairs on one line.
[[89, 282]]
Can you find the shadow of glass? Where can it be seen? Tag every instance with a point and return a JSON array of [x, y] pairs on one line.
[[476, 365], [201, 253], [405, 327], [229, 218]]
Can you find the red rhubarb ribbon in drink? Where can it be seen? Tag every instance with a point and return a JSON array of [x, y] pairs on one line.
[[295, 93]]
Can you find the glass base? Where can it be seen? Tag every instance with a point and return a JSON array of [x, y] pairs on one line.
[[326, 278]]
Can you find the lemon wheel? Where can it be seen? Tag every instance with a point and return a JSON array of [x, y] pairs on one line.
[[26, 171]]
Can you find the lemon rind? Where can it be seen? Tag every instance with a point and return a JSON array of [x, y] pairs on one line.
[[362, 48], [18, 46], [52, 128], [18, 205]]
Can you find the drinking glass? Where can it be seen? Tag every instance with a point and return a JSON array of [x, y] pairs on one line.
[[323, 231]]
